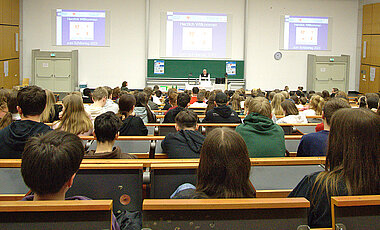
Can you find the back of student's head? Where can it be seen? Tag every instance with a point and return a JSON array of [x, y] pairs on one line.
[[341, 94], [173, 98], [200, 96], [99, 93], [303, 100], [372, 100], [332, 106], [289, 108], [148, 91], [316, 104], [6, 118], [141, 99], [221, 98], [325, 95], [49, 161], [31, 100], [235, 101], [353, 151], [295, 99], [158, 93], [12, 101], [271, 95], [109, 91], [49, 110], [124, 84], [224, 166], [195, 90], [106, 127], [286, 94], [276, 104], [87, 92], [126, 103], [186, 119], [260, 105], [183, 100], [74, 117]]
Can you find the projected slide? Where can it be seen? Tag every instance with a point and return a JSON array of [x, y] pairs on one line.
[[305, 33], [196, 35], [81, 28]]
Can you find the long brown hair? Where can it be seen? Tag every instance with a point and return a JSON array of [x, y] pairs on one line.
[[74, 119], [289, 108], [278, 98], [49, 109], [353, 155], [224, 166], [316, 103], [7, 118]]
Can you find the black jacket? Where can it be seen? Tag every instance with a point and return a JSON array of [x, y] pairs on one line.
[[171, 114], [183, 144], [222, 114], [14, 137], [58, 109], [133, 126]]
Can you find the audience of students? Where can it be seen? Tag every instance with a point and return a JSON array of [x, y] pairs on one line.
[[52, 110], [263, 137], [223, 171], [31, 102], [187, 142], [315, 144], [352, 164], [142, 109], [200, 103], [74, 117], [110, 104], [149, 92], [132, 125], [221, 113], [106, 132], [292, 115], [183, 101], [99, 96]]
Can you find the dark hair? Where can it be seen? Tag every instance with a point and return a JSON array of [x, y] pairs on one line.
[[210, 103], [353, 153], [221, 98], [12, 101], [87, 92], [142, 101], [325, 95], [200, 96], [195, 90], [372, 100], [271, 95], [49, 161], [289, 108], [183, 100], [186, 119], [32, 100], [109, 91], [303, 100], [148, 91], [295, 99], [106, 127], [124, 84], [126, 103], [362, 101], [158, 93], [224, 166], [333, 105]]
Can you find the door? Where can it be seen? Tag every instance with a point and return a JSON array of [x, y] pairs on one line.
[[364, 79], [44, 73], [375, 47], [330, 75], [322, 77], [374, 79], [338, 76], [366, 49], [62, 75]]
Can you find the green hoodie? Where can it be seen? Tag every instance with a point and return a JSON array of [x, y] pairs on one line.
[[263, 137]]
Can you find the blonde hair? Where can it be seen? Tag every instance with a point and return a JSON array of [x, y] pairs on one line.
[[278, 98], [259, 105], [235, 101], [99, 93], [316, 103], [74, 119], [49, 110], [7, 119]]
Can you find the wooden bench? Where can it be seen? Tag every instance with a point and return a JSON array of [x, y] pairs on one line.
[[11, 197], [70, 214], [356, 212], [247, 213]]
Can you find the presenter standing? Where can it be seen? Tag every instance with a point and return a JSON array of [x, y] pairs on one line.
[[204, 76]]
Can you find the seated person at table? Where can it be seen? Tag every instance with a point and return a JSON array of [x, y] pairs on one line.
[[183, 101], [263, 137], [52, 110], [200, 103], [194, 97], [106, 132], [87, 96], [110, 104], [223, 171], [172, 101], [149, 91], [292, 115], [157, 97], [315, 144], [142, 109], [221, 113], [132, 125], [49, 165], [31, 102], [99, 96], [187, 142], [352, 164], [166, 102]]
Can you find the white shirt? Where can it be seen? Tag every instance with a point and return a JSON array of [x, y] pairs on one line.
[[208, 78], [309, 112], [198, 105], [111, 106], [293, 119]]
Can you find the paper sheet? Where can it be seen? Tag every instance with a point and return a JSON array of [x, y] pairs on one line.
[[372, 74], [6, 69]]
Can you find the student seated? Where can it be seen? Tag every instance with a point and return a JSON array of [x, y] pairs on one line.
[[74, 118], [315, 106], [195, 92], [352, 164], [263, 137], [132, 125], [221, 113], [52, 110], [99, 96], [235, 101], [31, 103], [292, 115], [183, 101], [87, 96], [142, 109], [315, 144], [200, 103], [157, 97], [187, 142], [223, 171], [278, 98], [124, 86], [49, 165], [172, 101], [110, 104], [106, 132], [167, 104], [5, 115], [372, 101], [149, 92]]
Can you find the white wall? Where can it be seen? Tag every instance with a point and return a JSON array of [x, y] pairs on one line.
[[123, 60], [263, 40]]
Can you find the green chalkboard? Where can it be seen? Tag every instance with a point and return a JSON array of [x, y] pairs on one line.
[[182, 68]]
